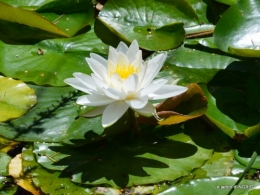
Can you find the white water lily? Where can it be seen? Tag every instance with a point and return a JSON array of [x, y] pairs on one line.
[[121, 82]]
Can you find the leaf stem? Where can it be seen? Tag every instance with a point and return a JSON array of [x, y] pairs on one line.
[[134, 121], [248, 167]]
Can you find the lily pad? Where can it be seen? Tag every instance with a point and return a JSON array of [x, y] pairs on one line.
[[55, 119], [52, 21], [201, 65], [10, 17], [214, 185], [237, 30], [124, 162], [16, 98], [54, 104], [5, 160], [156, 25], [228, 110], [50, 61]]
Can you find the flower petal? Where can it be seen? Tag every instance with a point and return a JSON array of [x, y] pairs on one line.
[[116, 81], [122, 48], [94, 100], [122, 60], [74, 82], [167, 91], [98, 69], [87, 80], [113, 112], [111, 67], [99, 58], [95, 111], [112, 54], [148, 110], [137, 61], [153, 67], [138, 102], [153, 86], [132, 51], [99, 82], [130, 84], [115, 93]]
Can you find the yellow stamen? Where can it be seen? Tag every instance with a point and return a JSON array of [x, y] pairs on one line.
[[125, 71]]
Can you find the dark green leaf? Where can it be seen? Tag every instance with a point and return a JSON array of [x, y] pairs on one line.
[[122, 162], [5, 160], [156, 25], [49, 61], [199, 66], [237, 30]]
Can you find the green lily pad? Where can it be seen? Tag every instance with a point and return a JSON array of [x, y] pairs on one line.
[[71, 23], [221, 161], [214, 186], [124, 162], [237, 30], [156, 25], [200, 66], [50, 61], [5, 160], [54, 104], [55, 119], [12, 18], [228, 110], [52, 20], [48, 181], [16, 98]]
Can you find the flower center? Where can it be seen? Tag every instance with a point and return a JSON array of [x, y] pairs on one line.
[[125, 71]]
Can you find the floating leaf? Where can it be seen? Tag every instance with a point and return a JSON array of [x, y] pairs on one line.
[[48, 120], [16, 98], [5, 160], [53, 120], [124, 162], [48, 181], [200, 66], [50, 61], [216, 186], [54, 20], [88, 130], [12, 18], [156, 25], [228, 110], [237, 30]]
